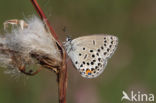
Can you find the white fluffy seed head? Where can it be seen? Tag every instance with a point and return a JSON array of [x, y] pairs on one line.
[[21, 43], [4, 58], [33, 38]]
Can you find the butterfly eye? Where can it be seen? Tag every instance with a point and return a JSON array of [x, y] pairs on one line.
[[68, 39]]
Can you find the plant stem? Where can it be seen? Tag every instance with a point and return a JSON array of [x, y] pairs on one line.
[[62, 75]]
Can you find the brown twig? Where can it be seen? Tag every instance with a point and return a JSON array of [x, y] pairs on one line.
[[62, 75]]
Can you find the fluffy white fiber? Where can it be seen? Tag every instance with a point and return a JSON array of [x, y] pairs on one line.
[[4, 58], [34, 38]]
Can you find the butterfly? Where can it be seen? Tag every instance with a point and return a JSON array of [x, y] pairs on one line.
[[90, 54]]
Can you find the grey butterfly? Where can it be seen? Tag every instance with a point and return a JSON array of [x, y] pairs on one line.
[[89, 54]]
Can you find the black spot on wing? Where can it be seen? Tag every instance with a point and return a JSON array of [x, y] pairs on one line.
[[108, 50], [93, 42], [76, 62], [85, 56], [105, 53], [93, 55], [98, 50], [83, 62], [102, 47], [91, 51]]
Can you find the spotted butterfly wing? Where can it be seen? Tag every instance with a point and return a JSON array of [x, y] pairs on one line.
[[89, 54]]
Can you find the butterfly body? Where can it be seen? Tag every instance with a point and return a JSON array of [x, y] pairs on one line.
[[89, 54]]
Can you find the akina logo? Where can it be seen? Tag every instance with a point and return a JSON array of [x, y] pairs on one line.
[[137, 97]]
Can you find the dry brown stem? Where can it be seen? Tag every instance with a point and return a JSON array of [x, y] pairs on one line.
[[62, 70]]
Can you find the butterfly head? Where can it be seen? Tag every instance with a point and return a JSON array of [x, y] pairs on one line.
[[68, 39], [68, 44]]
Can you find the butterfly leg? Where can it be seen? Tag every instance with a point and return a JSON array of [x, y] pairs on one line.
[[16, 22]]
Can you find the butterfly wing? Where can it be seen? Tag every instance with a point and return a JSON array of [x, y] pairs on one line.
[[89, 54]]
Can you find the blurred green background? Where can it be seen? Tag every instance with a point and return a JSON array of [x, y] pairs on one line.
[[132, 67]]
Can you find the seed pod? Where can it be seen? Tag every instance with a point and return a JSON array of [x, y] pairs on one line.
[[32, 44]]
